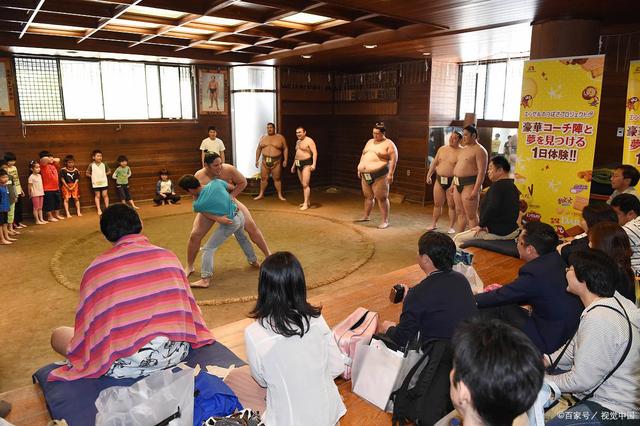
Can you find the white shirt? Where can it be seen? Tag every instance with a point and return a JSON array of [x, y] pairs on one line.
[[98, 175], [630, 190], [632, 228], [209, 145], [298, 373], [36, 185]]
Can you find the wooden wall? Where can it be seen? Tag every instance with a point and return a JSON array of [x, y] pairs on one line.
[[619, 49], [149, 147]]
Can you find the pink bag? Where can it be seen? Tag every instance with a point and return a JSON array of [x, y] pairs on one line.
[[357, 328]]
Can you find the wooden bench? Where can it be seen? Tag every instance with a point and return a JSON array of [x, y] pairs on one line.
[[29, 405]]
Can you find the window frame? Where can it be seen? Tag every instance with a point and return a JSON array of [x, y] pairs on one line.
[[68, 121], [485, 64]]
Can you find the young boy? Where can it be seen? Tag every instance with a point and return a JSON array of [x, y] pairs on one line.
[[11, 159], [122, 175], [5, 239], [164, 190], [98, 172], [49, 166], [13, 197], [69, 177]]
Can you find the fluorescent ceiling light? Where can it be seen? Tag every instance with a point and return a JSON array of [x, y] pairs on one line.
[[306, 56], [370, 46], [152, 11], [56, 27], [135, 24], [306, 18], [212, 20]]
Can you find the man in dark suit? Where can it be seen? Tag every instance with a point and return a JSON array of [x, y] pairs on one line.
[[436, 305], [542, 284]]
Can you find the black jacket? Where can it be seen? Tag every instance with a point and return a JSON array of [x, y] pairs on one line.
[[500, 208]]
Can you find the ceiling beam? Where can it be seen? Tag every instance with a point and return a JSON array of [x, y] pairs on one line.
[[104, 22], [31, 18], [214, 6]]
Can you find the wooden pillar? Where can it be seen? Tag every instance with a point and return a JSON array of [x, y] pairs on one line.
[[564, 37]]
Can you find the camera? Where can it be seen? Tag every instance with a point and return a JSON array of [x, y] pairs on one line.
[[397, 293]]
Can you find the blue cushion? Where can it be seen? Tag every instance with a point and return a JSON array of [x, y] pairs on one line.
[[75, 401], [506, 247]]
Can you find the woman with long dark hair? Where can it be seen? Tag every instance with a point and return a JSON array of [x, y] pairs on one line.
[[291, 349], [613, 240]]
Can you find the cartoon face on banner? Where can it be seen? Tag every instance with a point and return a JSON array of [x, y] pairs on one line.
[[560, 103]]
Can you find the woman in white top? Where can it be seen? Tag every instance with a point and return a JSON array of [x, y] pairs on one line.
[[291, 349]]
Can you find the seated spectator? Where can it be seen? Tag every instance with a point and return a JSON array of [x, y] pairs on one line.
[[541, 283], [136, 313], [611, 239], [623, 181], [607, 341], [165, 192], [438, 303], [499, 208], [591, 215], [497, 373], [627, 207], [291, 349]]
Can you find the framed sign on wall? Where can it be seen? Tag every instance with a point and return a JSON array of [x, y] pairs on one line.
[[213, 91], [7, 97]]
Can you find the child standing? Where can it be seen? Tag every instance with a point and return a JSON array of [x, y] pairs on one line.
[[4, 208], [13, 197], [98, 172], [122, 175], [36, 192], [69, 177], [164, 190], [11, 159], [49, 166]]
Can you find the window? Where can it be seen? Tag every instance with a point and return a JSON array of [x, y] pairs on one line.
[[491, 90], [253, 105], [68, 89]]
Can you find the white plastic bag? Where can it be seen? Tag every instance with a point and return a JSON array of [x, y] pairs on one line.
[[471, 275], [151, 401]]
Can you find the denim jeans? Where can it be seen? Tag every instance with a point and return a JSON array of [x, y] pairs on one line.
[[220, 234]]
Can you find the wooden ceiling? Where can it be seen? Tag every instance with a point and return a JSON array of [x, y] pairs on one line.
[[332, 32]]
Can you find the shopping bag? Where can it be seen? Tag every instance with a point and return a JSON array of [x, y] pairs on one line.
[[471, 275], [375, 370], [164, 398]]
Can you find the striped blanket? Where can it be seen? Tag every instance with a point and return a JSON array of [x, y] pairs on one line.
[[130, 294]]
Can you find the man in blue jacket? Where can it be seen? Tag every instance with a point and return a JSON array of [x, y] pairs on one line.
[[542, 284]]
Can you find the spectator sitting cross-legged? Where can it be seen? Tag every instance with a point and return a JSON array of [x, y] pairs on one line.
[[541, 283], [591, 215], [436, 305], [600, 363], [135, 303], [499, 209]]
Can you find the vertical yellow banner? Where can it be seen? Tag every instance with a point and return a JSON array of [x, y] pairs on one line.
[[631, 152], [559, 108]]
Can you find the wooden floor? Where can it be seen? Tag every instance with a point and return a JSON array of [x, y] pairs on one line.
[[28, 402]]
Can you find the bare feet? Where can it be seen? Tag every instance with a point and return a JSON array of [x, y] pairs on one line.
[[383, 225], [189, 270], [5, 243], [43, 222], [59, 217], [11, 239], [259, 197], [53, 219], [304, 207], [364, 219], [203, 283], [68, 215], [451, 231], [432, 228], [281, 197], [99, 212], [14, 233], [22, 225], [79, 214], [255, 264]]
